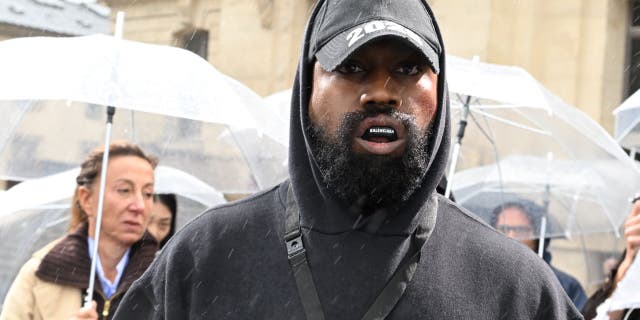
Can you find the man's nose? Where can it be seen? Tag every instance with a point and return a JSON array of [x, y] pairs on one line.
[[381, 90]]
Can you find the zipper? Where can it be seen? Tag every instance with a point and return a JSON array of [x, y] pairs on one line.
[[107, 302], [105, 308]]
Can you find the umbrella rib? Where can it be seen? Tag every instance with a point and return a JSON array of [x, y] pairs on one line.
[[496, 155], [513, 123]]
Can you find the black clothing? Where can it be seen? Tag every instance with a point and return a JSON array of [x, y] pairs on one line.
[[572, 287], [231, 262], [589, 311], [570, 284], [240, 271]]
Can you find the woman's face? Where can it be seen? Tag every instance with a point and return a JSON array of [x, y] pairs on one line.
[[128, 200], [160, 222]]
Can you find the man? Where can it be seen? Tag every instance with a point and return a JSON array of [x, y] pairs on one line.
[[521, 220], [358, 231]]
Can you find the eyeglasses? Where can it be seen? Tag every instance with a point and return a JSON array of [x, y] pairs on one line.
[[517, 231]]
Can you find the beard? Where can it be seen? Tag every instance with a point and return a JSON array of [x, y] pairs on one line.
[[370, 181]]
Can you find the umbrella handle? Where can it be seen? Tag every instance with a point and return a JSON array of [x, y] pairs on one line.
[[543, 231], [103, 174]]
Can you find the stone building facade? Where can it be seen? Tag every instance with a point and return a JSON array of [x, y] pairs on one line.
[[255, 42], [577, 48]]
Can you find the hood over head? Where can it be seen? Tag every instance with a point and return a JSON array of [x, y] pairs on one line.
[[335, 30]]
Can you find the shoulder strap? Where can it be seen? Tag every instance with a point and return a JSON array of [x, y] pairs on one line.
[[394, 289], [298, 261], [387, 298]]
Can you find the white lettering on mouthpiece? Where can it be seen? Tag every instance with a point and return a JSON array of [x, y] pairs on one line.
[[381, 130]]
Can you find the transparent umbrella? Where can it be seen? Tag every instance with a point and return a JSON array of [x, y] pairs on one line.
[[279, 103], [577, 196], [178, 107], [627, 122], [577, 202], [35, 212], [524, 139]]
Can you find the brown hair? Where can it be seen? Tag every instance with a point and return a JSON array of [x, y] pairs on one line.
[[90, 170]]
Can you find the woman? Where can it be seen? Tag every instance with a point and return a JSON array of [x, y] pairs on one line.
[[162, 224], [53, 283], [632, 245]]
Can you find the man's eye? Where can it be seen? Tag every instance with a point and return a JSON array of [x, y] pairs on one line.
[[124, 190], [349, 67], [410, 69]]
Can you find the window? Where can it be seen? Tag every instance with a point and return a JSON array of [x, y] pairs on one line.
[[196, 41], [633, 70]]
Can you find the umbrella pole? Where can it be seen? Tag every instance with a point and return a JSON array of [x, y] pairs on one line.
[[543, 221], [103, 174], [456, 148], [543, 231]]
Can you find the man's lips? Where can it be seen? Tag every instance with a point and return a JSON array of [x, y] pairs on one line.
[[381, 121], [380, 135], [379, 148]]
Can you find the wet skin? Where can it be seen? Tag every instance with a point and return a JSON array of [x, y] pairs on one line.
[[381, 74]]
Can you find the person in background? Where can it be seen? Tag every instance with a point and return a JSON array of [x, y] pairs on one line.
[[162, 224], [632, 244], [520, 220], [53, 283]]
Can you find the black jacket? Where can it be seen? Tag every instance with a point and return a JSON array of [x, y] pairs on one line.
[[603, 293], [231, 262]]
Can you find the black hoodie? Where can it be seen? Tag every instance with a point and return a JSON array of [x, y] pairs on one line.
[[231, 262]]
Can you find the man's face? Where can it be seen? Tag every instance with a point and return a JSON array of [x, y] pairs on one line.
[[370, 122], [517, 225]]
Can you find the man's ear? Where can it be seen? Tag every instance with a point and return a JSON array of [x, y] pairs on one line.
[[85, 200]]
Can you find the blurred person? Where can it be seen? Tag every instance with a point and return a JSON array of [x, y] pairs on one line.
[[53, 283], [632, 243], [521, 220], [609, 264], [358, 231], [162, 224]]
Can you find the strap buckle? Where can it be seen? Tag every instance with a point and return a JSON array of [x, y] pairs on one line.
[[295, 246]]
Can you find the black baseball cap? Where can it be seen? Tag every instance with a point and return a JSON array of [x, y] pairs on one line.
[[343, 26]]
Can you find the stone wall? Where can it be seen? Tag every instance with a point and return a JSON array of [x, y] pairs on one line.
[[576, 48], [255, 41]]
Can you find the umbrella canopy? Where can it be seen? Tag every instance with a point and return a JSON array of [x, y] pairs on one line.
[[576, 197], [524, 140], [627, 125], [279, 103], [179, 108], [36, 211]]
